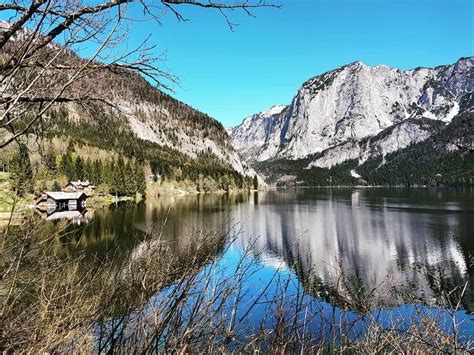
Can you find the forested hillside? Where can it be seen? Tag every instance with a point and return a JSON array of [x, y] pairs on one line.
[[446, 158], [105, 152], [136, 126]]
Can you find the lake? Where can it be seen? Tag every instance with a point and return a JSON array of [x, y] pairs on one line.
[[410, 245]]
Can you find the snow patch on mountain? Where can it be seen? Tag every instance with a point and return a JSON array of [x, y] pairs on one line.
[[354, 174]]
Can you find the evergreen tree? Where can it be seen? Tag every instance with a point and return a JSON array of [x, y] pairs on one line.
[[139, 178], [21, 170], [107, 172], [96, 174], [79, 168], [68, 167], [56, 186], [117, 179], [88, 166], [128, 187], [255, 182], [49, 158]]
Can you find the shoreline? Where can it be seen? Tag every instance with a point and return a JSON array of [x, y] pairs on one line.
[[26, 204], [369, 187]]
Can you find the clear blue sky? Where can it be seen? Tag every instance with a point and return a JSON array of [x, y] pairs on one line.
[[230, 75]]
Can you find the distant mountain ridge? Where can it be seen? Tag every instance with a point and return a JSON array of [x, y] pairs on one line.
[[358, 112]]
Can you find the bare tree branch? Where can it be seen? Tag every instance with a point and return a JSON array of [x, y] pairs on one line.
[[39, 67]]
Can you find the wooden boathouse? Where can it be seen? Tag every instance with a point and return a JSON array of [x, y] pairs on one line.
[[62, 201]]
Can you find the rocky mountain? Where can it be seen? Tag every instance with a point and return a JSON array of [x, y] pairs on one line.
[[154, 116], [257, 137], [358, 112]]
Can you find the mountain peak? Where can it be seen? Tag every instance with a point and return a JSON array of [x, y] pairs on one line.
[[357, 63], [274, 110], [469, 60], [466, 63], [352, 103]]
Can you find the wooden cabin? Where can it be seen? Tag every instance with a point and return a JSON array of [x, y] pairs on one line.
[[62, 201], [79, 186]]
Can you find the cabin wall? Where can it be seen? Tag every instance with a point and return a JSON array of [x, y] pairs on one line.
[[73, 204]]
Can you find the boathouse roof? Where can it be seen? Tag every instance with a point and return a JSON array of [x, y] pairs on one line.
[[59, 195]]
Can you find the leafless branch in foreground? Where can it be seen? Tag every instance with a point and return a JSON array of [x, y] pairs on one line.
[[38, 65]]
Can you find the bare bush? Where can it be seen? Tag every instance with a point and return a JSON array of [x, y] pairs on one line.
[[159, 298]]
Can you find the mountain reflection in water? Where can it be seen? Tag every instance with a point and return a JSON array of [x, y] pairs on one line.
[[370, 233]]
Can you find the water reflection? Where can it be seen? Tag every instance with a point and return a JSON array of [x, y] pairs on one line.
[[76, 217], [320, 237], [373, 233]]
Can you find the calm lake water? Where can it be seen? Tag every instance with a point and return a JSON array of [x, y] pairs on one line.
[[377, 236]]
